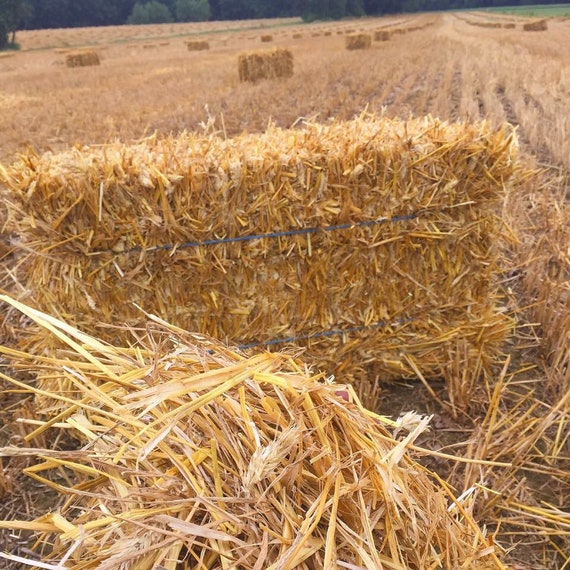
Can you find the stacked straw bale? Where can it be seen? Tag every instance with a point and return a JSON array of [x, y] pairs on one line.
[[193, 456], [82, 59], [536, 26], [376, 241], [197, 45], [358, 41], [257, 65]]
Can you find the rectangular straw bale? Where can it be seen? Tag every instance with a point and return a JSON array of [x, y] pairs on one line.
[[82, 59], [358, 41], [536, 26], [509, 25], [376, 239], [257, 65], [197, 45], [382, 35], [266, 38]]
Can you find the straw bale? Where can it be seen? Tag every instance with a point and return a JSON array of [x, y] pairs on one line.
[[82, 59], [191, 455], [509, 25], [382, 35], [378, 244], [536, 26], [358, 41], [297, 36], [197, 45], [545, 257], [266, 38], [258, 65]]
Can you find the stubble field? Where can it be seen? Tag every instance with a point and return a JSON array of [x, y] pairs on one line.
[[454, 67]]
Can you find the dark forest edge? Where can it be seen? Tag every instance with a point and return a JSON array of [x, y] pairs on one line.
[[38, 14]]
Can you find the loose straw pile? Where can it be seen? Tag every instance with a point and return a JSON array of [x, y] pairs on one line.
[[371, 242], [193, 456]]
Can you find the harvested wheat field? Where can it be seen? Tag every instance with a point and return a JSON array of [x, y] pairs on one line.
[[315, 319]]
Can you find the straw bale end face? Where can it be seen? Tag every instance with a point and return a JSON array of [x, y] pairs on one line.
[[197, 45], [258, 65], [191, 451], [358, 41], [82, 59], [536, 26]]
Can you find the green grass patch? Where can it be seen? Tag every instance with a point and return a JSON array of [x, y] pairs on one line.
[[538, 10]]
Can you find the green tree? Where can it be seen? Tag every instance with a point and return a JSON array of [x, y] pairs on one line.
[[152, 12], [192, 10], [11, 12]]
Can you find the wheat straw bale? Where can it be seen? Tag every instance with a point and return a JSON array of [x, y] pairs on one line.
[[297, 36], [197, 45], [257, 65], [82, 59], [266, 38], [536, 26], [545, 259], [509, 25], [404, 284], [189, 451], [382, 35], [358, 41], [327, 33]]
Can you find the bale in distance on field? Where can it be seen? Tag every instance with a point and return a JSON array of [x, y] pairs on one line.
[[509, 25], [82, 59], [372, 242], [266, 38], [536, 26], [197, 45], [382, 35], [192, 455], [358, 41], [259, 65]]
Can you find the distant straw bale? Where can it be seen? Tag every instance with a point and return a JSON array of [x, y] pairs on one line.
[[327, 33], [373, 243], [258, 65], [382, 35], [197, 45], [297, 36], [266, 38], [536, 26], [189, 451], [509, 25], [358, 41], [82, 59]]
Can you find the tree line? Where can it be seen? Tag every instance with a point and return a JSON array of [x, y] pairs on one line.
[[39, 14]]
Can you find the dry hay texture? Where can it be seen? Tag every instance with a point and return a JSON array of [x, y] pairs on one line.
[[536, 26], [358, 41], [82, 59], [382, 35], [257, 65], [545, 257], [267, 38], [191, 456], [197, 45], [369, 242]]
